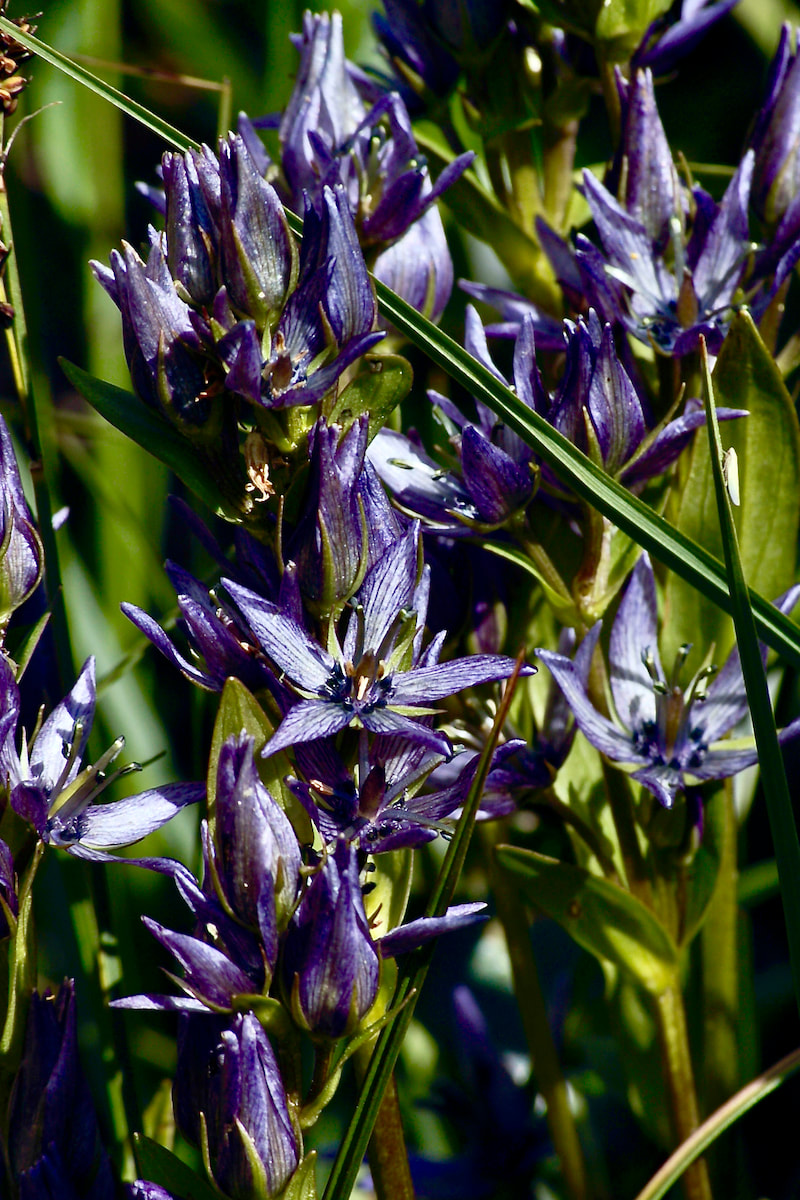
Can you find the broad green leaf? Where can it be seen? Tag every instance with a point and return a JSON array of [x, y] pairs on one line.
[[600, 916], [767, 445], [773, 775], [158, 1165], [380, 386], [240, 712], [145, 427]]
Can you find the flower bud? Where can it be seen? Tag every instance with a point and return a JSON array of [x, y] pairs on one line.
[[331, 964], [776, 139], [20, 547]]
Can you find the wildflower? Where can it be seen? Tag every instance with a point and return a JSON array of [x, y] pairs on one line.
[[379, 678], [237, 1108], [50, 789], [672, 736], [663, 45]]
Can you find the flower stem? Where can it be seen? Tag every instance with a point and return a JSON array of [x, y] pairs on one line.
[[38, 429], [533, 1011], [386, 1152], [677, 1063]]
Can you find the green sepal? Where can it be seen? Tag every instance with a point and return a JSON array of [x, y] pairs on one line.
[[144, 426], [380, 386], [240, 712], [621, 25], [767, 445], [600, 916], [386, 905], [303, 1184], [159, 1165]]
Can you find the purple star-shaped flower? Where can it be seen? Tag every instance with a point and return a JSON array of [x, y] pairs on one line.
[[671, 735], [52, 791], [379, 678]]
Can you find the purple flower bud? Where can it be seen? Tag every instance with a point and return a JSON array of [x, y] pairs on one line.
[[53, 1139], [258, 857], [331, 542], [776, 138], [331, 966], [20, 547], [190, 230], [259, 255], [9, 906], [236, 1102]]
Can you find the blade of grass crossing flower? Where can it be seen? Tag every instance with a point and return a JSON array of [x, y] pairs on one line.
[[627, 511], [773, 775], [354, 1143], [80, 74], [717, 1123]]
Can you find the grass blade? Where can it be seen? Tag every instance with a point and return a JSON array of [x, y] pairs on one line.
[[773, 775], [717, 1123]]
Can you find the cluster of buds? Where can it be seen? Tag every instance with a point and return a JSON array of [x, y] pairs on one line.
[[12, 55]]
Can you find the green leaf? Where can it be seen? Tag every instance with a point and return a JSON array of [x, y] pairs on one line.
[[158, 1165], [150, 431], [600, 916], [767, 445], [773, 775], [239, 712], [701, 875], [380, 386]]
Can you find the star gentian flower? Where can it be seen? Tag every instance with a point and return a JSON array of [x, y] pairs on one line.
[[53, 1138], [673, 737], [382, 804], [668, 280], [378, 678], [346, 522], [51, 790], [9, 903], [236, 1104], [20, 546]]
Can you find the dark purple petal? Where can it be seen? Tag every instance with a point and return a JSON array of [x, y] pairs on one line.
[[635, 632], [426, 684], [416, 933], [102, 826], [308, 720], [601, 732]]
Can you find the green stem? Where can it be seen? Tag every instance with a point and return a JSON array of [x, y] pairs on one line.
[[386, 1152], [677, 1064], [533, 1011], [39, 437]]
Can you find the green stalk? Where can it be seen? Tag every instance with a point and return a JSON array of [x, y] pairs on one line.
[[721, 976], [533, 1011], [677, 1063], [39, 437], [386, 1152]]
